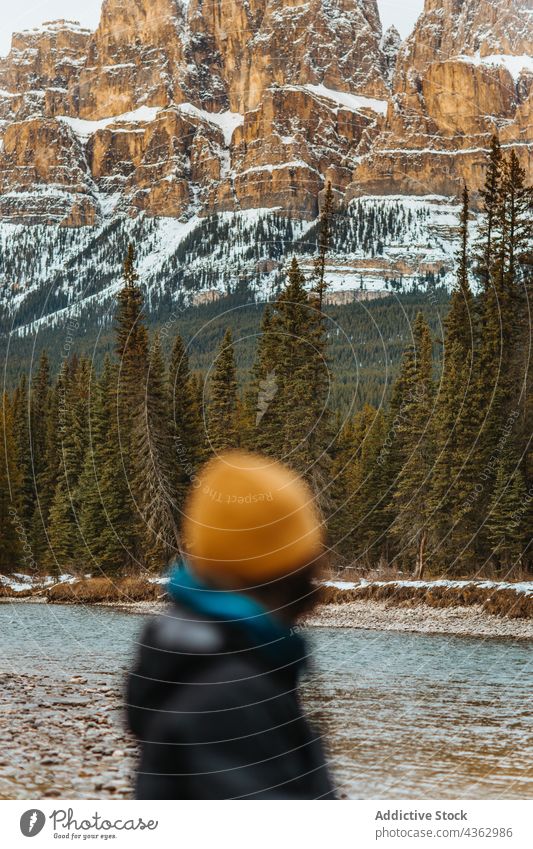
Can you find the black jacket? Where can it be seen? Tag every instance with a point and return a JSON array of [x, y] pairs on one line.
[[217, 715]]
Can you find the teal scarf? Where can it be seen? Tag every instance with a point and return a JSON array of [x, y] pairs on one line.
[[267, 633]]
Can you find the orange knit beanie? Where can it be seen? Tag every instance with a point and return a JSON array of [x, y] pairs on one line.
[[248, 518]]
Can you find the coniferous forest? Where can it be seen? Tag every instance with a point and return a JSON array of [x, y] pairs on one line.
[[96, 462]]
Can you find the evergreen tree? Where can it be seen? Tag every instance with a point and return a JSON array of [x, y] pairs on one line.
[[324, 240], [64, 534], [10, 485], [506, 526], [296, 421], [411, 495], [102, 494], [21, 419], [188, 435], [38, 412], [132, 351], [491, 199], [343, 493], [453, 522], [264, 422], [156, 465], [222, 431], [47, 480]]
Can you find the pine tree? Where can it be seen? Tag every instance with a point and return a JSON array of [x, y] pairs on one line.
[[264, 421], [343, 493], [64, 533], [507, 530], [47, 480], [411, 495], [492, 361], [324, 241], [188, 436], [298, 411], [102, 494], [11, 545], [491, 199], [222, 431], [38, 412], [452, 523], [132, 351], [156, 465], [371, 515], [21, 419]]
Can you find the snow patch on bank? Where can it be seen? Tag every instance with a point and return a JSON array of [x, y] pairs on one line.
[[18, 582], [521, 587]]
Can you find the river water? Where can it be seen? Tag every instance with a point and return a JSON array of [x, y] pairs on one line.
[[404, 715]]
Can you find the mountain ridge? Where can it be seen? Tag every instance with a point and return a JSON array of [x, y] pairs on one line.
[[170, 112]]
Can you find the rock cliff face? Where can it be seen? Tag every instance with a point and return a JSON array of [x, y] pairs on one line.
[[176, 109], [465, 73]]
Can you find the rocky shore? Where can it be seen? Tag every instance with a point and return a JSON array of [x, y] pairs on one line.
[[471, 621], [64, 739]]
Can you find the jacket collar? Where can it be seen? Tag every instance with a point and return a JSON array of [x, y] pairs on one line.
[[269, 635]]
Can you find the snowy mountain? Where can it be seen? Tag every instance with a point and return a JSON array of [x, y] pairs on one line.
[[207, 131]]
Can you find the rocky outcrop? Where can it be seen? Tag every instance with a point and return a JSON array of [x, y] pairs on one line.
[[295, 139], [465, 73], [134, 58], [43, 176], [36, 75]]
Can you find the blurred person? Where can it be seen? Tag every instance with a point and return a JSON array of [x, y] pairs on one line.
[[213, 695]]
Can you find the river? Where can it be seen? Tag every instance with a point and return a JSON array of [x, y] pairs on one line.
[[405, 716]]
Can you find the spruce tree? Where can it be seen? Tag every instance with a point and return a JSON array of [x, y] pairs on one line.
[[343, 493], [64, 534], [132, 351], [21, 419], [11, 542], [38, 412], [324, 242], [298, 410], [506, 526], [156, 466], [102, 493], [264, 420], [188, 424], [411, 494], [452, 523], [47, 480], [222, 416], [491, 199]]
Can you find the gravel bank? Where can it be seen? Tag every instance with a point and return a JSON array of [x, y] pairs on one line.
[[470, 621], [64, 738]]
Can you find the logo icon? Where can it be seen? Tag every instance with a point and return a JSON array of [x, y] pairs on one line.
[[32, 822]]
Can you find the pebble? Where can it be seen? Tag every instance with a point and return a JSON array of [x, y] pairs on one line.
[[379, 616], [75, 752]]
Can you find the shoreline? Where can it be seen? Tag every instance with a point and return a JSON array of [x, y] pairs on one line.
[[483, 609], [460, 621]]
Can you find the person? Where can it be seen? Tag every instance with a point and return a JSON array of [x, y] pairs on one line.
[[213, 694]]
